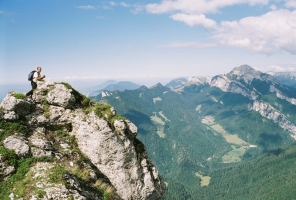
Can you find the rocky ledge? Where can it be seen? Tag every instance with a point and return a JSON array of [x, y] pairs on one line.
[[62, 145]]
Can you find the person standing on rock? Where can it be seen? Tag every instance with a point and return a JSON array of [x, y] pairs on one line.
[[36, 77]]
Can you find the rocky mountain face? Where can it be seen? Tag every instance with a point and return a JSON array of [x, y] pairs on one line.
[[254, 84], [76, 149], [241, 81]]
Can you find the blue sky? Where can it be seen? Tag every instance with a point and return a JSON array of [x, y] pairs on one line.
[[142, 40]]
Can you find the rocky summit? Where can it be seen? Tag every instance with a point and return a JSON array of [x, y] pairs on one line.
[[59, 144]]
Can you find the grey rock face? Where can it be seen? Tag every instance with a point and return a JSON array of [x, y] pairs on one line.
[[115, 154], [271, 113], [227, 85], [281, 96], [41, 146], [17, 143]]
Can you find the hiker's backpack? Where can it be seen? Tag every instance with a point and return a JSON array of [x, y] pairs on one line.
[[30, 76]]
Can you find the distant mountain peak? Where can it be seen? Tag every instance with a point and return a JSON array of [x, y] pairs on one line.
[[248, 74], [245, 70], [156, 85], [177, 82], [193, 79], [251, 83]]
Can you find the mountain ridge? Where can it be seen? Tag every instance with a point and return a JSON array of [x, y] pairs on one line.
[[211, 124]]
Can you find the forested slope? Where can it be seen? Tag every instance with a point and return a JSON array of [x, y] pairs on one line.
[[271, 176]]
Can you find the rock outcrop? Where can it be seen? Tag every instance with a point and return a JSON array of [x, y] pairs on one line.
[[271, 113], [94, 150]]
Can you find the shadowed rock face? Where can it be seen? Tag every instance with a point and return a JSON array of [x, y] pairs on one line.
[[111, 146]]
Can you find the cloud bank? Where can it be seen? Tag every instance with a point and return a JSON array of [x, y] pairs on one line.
[[269, 33], [275, 30]]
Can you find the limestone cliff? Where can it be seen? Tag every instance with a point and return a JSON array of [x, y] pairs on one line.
[[62, 145]]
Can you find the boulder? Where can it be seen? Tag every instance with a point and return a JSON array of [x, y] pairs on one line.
[[60, 96], [17, 143], [14, 107], [10, 115]]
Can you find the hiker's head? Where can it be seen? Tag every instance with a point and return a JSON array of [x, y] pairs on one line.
[[39, 69]]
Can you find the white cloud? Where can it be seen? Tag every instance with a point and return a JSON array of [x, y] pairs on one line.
[[123, 4], [275, 30], [196, 6], [87, 7], [291, 3], [269, 33], [112, 3], [188, 44], [192, 20], [273, 7], [80, 78]]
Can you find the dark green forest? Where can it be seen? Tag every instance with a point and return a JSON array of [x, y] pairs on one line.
[[271, 176]]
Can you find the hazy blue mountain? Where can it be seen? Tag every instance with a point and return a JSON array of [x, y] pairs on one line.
[[120, 86], [86, 88], [287, 78], [209, 124], [103, 85]]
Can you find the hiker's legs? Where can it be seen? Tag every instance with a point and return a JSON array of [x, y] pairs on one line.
[[34, 85]]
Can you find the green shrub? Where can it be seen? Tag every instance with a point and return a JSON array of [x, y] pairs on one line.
[[19, 95], [61, 133], [116, 117], [102, 110], [8, 156], [47, 115], [86, 101], [45, 102], [68, 86], [56, 174], [17, 181], [9, 128], [21, 181], [46, 111], [105, 188]]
